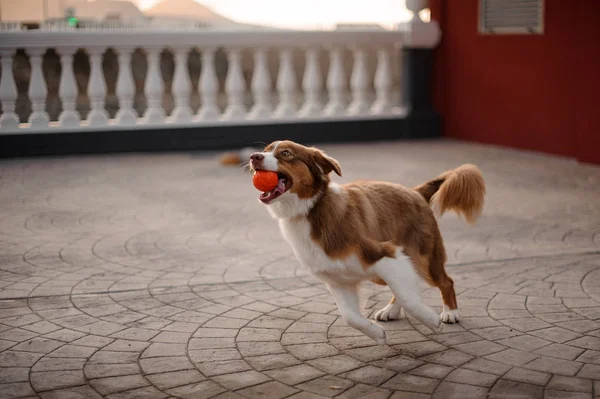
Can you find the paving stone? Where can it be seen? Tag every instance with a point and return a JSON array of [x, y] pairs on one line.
[[432, 371], [165, 364], [16, 390], [311, 351], [74, 351], [223, 367], [328, 386], [551, 394], [110, 370], [479, 348], [570, 384], [524, 342], [199, 390], [73, 392], [146, 393], [49, 380], [175, 379], [241, 379], [370, 375], [527, 376], [58, 364], [335, 364], [556, 334], [295, 374], [109, 357], [466, 376], [360, 391], [450, 357], [412, 383], [12, 358], [509, 389], [560, 351], [110, 385], [399, 363], [260, 348], [591, 371], [555, 366], [14, 374], [451, 390], [512, 356]]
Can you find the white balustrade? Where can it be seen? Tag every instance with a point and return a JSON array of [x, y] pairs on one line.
[[68, 89], [125, 89], [154, 88], [286, 85], [336, 84], [208, 87], [8, 93], [359, 82], [261, 86], [383, 83], [270, 104], [97, 89], [235, 87], [312, 83], [181, 87], [37, 90]]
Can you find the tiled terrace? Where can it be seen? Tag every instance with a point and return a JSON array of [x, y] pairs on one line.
[[152, 276]]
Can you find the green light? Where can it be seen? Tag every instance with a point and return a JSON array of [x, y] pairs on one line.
[[72, 21]]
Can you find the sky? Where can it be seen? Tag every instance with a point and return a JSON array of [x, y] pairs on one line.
[[306, 13]]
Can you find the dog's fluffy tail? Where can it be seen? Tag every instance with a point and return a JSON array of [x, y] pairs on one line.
[[461, 190]]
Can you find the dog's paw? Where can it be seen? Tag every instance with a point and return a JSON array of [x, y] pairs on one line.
[[377, 334], [450, 316], [392, 311]]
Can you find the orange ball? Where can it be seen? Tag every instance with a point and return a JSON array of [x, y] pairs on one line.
[[265, 180]]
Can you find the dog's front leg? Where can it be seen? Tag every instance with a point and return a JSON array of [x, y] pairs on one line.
[[346, 297]]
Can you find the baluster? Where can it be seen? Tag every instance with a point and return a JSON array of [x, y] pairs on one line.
[[286, 85], [312, 83], [359, 82], [336, 84], [154, 89], [181, 87], [383, 83], [37, 90], [261, 86], [235, 87], [208, 87], [8, 92], [67, 89], [125, 89], [97, 89]]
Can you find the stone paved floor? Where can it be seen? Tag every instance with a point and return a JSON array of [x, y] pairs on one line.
[[152, 276]]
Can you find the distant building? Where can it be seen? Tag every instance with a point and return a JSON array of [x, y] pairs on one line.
[[176, 13]]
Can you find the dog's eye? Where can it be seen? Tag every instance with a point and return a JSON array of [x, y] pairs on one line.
[[286, 153]]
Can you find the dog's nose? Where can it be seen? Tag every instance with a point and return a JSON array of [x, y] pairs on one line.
[[257, 156]]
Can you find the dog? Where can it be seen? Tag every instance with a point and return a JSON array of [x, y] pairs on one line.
[[368, 230]]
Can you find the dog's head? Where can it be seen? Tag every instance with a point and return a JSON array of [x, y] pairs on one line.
[[303, 175]]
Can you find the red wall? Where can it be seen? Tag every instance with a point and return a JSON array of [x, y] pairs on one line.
[[538, 92]]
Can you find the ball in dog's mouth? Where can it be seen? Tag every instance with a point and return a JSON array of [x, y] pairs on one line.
[[283, 185]]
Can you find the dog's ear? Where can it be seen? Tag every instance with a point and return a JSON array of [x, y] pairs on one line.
[[327, 163]]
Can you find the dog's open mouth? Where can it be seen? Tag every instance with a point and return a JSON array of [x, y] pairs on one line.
[[283, 184]]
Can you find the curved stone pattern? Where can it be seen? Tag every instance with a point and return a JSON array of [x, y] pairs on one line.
[[132, 276]]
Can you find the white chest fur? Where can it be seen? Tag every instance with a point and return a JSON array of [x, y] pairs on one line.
[[311, 255]]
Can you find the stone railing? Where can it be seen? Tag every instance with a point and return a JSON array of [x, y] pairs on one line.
[[326, 90]]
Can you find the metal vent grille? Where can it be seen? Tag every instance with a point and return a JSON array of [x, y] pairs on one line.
[[511, 16]]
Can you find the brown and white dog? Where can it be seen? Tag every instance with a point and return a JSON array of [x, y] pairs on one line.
[[369, 230]]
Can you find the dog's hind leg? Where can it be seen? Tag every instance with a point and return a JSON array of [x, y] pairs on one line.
[[400, 275], [346, 297], [392, 311]]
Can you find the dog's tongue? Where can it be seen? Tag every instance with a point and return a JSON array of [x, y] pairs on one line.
[[269, 195]]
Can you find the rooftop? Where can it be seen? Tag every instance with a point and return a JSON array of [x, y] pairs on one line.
[[161, 275]]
